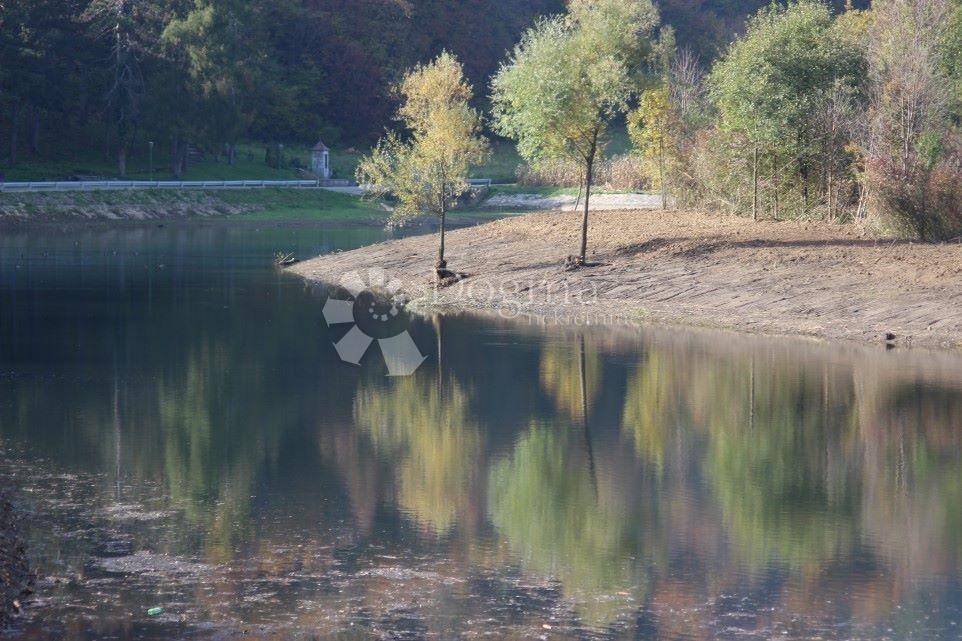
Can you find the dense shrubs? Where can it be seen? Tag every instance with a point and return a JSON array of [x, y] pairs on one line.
[[817, 114], [926, 204]]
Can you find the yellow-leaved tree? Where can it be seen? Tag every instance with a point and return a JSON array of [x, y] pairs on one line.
[[654, 128], [426, 171]]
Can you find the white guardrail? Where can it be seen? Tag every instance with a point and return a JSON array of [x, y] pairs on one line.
[[98, 185]]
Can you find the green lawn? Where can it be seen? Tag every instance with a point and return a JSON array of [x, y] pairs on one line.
[[303, 204], [250, 165], [540, 191], [503, 164]]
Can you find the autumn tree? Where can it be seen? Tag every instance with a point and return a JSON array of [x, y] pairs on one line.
[[568, 79], [912, 166], [426, 172], [654, 128]]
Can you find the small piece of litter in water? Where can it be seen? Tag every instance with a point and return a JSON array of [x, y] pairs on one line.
[[546, 626], [154, 612]]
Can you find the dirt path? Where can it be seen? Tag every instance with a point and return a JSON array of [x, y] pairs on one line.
[[810, 279]]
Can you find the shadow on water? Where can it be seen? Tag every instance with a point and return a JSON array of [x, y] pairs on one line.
[[181, 434]]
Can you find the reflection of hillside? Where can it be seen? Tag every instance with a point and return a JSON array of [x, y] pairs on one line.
[[346, 450], [911, 436], [760, 482], [775, 458], [805, 459]]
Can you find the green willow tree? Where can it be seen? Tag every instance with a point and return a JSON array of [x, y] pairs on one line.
[[774, 86], [568, 79], [428, 173]]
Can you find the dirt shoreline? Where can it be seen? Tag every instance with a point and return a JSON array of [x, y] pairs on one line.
[[15, 574], [783, 278]]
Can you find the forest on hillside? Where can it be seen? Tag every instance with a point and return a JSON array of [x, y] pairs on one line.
[[105, 76]]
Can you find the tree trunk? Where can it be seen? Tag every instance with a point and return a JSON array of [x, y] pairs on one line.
[[441, 262], [122, 161], [661, 171], [755, 184], [178, 157], [589, 177], [862, 197], [775, 186], [831, 200], [589, 450], [14, 135], [35, 134], [803, 174], [13, 144]]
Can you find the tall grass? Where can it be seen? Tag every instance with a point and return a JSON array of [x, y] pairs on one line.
[[624, 173]]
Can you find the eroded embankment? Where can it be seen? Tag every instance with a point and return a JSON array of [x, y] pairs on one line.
[[14, 570], [810, 279]]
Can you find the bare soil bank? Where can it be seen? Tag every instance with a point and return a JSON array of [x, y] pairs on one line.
[[111, 206], [14, 572], [811, 279]]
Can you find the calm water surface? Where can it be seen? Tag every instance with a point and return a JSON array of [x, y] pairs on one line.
[[180, 433]]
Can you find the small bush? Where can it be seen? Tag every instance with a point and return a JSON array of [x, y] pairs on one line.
[[918, 202], [945, 188]]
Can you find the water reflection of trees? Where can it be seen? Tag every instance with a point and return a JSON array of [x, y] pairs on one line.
[[561, 377], [423, 428], [723, 469], [779, 461], [565, 524]]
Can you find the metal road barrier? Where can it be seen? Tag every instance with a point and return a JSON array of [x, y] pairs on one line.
[[119, 185]]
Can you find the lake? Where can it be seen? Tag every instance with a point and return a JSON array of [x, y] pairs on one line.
[[179, 433]]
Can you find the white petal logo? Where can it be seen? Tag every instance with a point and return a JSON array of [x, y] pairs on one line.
[[375, 309]]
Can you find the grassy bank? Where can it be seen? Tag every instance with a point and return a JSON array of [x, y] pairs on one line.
[[249, 165], [251, 204]]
